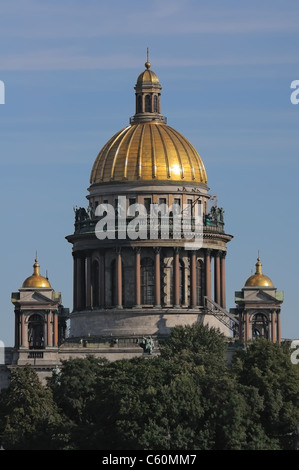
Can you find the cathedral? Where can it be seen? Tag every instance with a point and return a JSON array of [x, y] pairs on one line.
[[148, 251]]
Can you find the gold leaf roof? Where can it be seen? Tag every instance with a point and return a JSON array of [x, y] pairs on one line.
[[36, 280], [259, 279], [148, 151]]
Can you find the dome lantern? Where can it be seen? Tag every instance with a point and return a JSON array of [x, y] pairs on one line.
[[148, 96]]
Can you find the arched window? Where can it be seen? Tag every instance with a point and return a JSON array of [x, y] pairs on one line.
[[147, 281], [36, 335], [95, 284], [148, 107], [260, 326], [139, 104]]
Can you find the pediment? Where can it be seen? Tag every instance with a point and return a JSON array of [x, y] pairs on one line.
[[36, 297], [260, 296]]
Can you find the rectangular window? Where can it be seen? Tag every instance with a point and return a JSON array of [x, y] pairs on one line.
[[176, 209], [162, 203], [131, 210], [189, 206], [147, 204]]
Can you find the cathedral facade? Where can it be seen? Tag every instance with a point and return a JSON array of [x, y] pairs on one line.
[[148, 253], [138, 271]]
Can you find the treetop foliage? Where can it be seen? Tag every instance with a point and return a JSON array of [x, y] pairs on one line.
[[187, 398]]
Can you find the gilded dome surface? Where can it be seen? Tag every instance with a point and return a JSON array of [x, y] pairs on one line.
[[36, 280], [148, 76], [148, 151], [259, 279]]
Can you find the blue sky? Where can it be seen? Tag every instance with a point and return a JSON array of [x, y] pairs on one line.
[[69, 69]]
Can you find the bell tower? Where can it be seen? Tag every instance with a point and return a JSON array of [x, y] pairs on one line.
[[258, 308], [40, 319]]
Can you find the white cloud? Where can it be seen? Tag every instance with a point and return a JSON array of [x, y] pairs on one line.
[[71, 19]]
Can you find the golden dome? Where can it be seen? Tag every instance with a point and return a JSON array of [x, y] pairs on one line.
[[147, 77], [36, 280], [259, 279], [148, 151]]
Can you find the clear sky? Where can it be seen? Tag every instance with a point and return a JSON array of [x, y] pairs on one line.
[[69, 69]]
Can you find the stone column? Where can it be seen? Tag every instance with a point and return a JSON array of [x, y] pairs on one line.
[[55, 328], [222, 282], [241, 333], [101, 284], [119, 278], [49, 336], [176, 275], [157, 277], [17, 329], [137, 278], [246, 318], [24, 342], [89, 300], [208, 273], [75, 275], [217, 278], [80, 284], [193, 279], [278, 330], [273, 314]]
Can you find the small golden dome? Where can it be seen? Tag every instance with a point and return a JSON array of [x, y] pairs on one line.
[[259, 279], [148, 151], [36, 280], [148, 76]]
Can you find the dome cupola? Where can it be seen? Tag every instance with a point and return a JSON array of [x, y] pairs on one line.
[[148, 97], [259, 279], [148, 149], [36, 280]]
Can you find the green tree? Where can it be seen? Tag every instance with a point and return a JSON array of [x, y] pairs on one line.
[[198, 344], [185, 399], [29, 418], [73, 389], [267, 367]]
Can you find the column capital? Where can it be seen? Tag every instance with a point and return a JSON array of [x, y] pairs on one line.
[[218, 253]]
